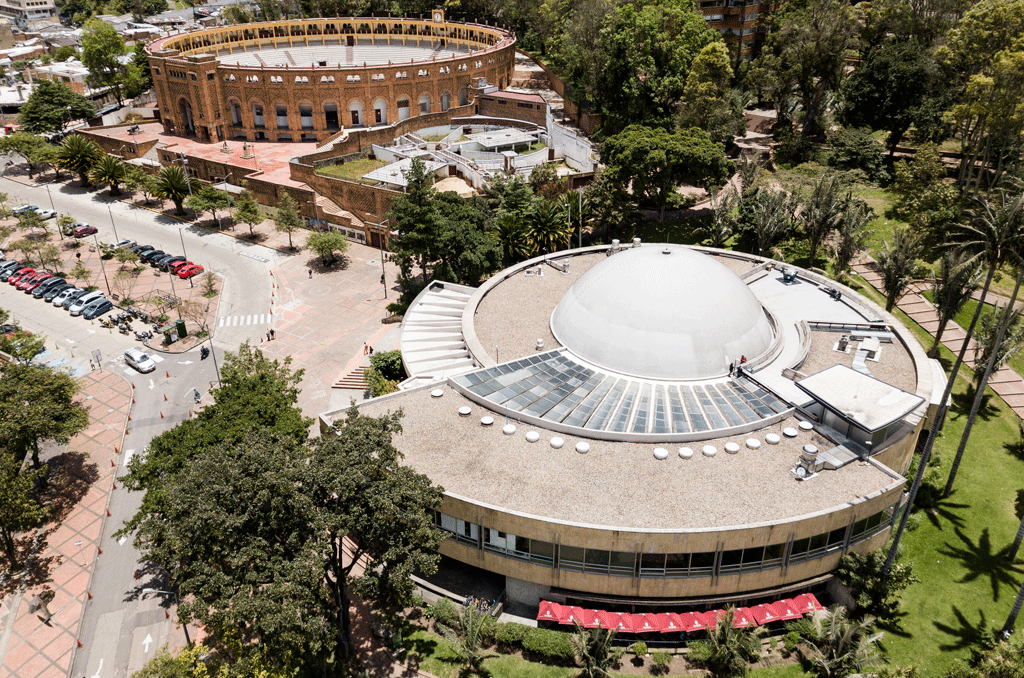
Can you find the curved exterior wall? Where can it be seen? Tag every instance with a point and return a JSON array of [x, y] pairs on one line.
[[188, 78]]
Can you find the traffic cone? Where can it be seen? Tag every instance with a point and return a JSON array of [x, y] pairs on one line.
[[133, 386], [115, 485], [112, 463], [167, 373], [165, 396], [99, 550], [88, 593], [129, 417], [79, 642], [116, 450], [167, 614], [108, 513], [161, 415]]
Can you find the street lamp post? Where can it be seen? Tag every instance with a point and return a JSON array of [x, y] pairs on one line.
[[102, 267], [184, 166], [177, 602], [60, 232], [231, 216], [111, 213], [380, 241]]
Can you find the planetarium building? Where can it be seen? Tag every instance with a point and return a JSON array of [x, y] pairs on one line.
[[659, 424]]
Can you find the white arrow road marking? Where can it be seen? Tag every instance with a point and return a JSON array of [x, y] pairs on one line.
[[98, 669], [92, 331], [187, 362], [151, 385], [146, 643], [127, 457], [71, 341]]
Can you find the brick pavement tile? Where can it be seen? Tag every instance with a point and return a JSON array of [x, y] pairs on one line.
[[37, 666], [1014, 401], [68, 616], [64, 662], [18, 655]]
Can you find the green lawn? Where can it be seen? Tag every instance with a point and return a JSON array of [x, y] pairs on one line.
[[963, 319], [352, 170]]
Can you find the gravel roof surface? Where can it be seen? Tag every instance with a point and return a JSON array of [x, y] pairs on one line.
[[616, 484], [894, 366]]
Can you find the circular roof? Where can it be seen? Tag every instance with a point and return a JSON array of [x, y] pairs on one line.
[[661, 312]]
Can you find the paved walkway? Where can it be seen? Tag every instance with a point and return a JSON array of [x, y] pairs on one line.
[[1006, 383], [80, 479]]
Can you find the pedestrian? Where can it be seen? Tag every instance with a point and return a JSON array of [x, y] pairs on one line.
[[366, 349], [199, 398], [268, 335], [310, 274], [743, 360], [732, 368], [92, 365], [371, 351], [273, 334]]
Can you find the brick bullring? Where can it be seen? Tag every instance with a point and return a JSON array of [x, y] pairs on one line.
[[307, 80]]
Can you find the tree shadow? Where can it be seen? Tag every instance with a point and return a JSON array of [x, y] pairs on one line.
[[894, 624], [979, 561], [943, 511], [256, 237], [37, 568], [148, 575], [1016, 449], [964, 634], [69, 476], [337, 263], [962, 403]]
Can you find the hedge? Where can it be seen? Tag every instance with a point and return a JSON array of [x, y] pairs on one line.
[[553, 645], [510, 635]]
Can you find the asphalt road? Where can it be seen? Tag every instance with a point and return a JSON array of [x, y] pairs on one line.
[[123, 627]]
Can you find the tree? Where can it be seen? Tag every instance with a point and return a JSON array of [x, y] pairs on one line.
[[467, 251], [101, 47], [140, 180], [287, 218], [728, 651], [37, 406], [79, 154], [706, 101], [513, 238], [771, 215], [326, 243], [803, 57], [80, 272], [891, 89], [957, 280], [65, 52], [416, 218], [839, 647], [64, 224], [22, 345], [209, 199], [545, 182], [923, 197], [645, 52], [466, 638], [595, 651], [172, 184], [248, 211], [821, 213], [19, 504], [851, 236], [877, 594], [898, 264], [722, 223], [110, 170], [35, 149], [547, 228], [51, 107], [655, 162], [125, 257], [1018, 509]]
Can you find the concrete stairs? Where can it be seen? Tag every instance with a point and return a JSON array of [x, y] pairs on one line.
[[432, 340], [354, 380]]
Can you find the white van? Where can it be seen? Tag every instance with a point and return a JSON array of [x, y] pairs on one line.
[[83, 301]]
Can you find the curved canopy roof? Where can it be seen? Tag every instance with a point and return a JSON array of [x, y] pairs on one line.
[[661, 312]]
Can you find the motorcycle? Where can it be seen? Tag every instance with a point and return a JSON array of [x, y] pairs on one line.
[[204, 353]]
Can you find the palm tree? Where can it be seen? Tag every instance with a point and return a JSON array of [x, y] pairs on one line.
[[723, 219], [851, 236], [110, 170], [898, 263], [957, 280], [467, 640], [171, 184], [595, 652], [823, 211], [839, 646], [548, 229], [1011, 620], [79, 154], [1015, 547], [728, 651], [991, 237], [512, 237], [772, 215]]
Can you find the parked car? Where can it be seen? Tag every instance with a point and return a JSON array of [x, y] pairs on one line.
[[139, 360], [187, 272], [10, 264], [151, 255], [72, 298], [8, 271], [178, 265], [124, 243], [46, 214], [21, 273], [58, 300], [47, 285], [97, 308], [21, 209], [29, 283], [52, 292], [82, 230], [79, 305], [8, 330], [27, 279], [163, 263]]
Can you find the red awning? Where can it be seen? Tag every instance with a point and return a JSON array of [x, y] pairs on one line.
[[650, 624], [742, 618], [589, 618], [667, 622], [570, 615], [548, 611], [785, 610], [764, 614], [608, 620], [635, 623], [805, 603], [712, 617], [692, 621]]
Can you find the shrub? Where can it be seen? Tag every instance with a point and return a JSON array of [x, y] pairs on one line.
[[443, 612], [639, 648], [790, 642], [660, 662], [388, 364], [856, 149], [510, 635], [488, 630], [552, 645]]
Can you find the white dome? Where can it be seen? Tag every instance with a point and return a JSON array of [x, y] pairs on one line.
[[680, 315]]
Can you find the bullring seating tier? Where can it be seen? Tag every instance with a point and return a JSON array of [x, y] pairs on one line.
[[364, 52]]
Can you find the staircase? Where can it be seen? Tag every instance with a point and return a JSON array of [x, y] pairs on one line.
[[354, 380], [432, 340]]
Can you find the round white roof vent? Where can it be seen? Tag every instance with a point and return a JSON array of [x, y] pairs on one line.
[[685, 452], [508, 429], [582, 447], [709, 450], [465, 411], [660, 453], [557, 442], [437, 393], [789, 432], [532, 437], [732, 448], [772, 439], [810, 449], [806, 426], [486, 421], [753, 443]]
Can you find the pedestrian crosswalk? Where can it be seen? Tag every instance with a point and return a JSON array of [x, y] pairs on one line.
[[242, 320]]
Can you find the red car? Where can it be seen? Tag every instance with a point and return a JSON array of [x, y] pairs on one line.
[[28, 280], [189, 271], [84, 230], [37, 281], [178, 265], [23, 273]]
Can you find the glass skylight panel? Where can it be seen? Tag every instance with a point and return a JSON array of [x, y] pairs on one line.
[[724, 406], [642, 408], [604, 411], [622, 412], [580, 415], [696, 414], [738, 403], [679, 422], [660, 410]]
